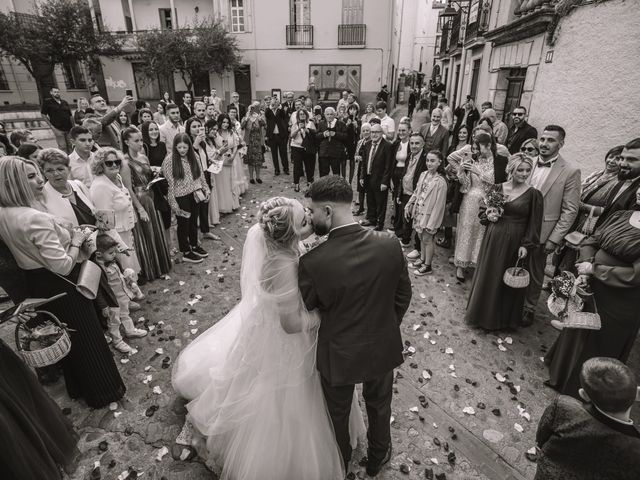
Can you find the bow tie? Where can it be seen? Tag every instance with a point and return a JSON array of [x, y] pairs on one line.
[[545, 164]]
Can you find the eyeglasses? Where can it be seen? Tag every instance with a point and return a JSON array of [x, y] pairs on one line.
[[517, 114], [112, 163], [528, 150]]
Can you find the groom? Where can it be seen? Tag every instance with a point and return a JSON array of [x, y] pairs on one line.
[[358, 281]]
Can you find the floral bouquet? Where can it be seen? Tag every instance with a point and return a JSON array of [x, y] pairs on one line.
[[564, 296], [495, 201]]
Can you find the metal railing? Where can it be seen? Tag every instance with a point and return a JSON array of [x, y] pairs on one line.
[[352, 35], [300, 35], [455, 40]]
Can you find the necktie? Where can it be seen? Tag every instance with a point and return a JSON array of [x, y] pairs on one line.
[[545, 164], [374, 148]]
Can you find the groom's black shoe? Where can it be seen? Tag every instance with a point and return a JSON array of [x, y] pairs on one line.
[[374, 467]]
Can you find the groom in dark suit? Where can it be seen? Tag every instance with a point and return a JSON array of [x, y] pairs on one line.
[[359, 283]]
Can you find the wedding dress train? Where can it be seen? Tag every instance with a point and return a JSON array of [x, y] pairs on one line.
[[253, 389]]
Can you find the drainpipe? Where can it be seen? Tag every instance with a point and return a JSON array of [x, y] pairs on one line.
[[396, 83], [174, 17], [133, 16]]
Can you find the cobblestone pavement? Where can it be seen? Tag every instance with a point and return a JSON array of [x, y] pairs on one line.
[[455, 368]]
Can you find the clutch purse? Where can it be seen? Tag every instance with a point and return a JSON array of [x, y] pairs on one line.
[[199, 196], [574, 239]]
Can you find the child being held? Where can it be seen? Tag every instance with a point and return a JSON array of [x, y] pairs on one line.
[[596, 440], [106, 253], [426, 207]]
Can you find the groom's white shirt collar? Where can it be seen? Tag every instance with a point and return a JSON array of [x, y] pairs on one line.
[[342, 226]]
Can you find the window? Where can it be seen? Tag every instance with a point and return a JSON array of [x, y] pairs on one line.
[[237, 16], [146, 88], [300, 12], [98, 13], [4, 85], [475, 73], [166, 21], [352, 12], [127, 16], [73, 76]]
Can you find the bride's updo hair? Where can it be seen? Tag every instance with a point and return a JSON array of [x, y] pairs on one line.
[[277, 218]]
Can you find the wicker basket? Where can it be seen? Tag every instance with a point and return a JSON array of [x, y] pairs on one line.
[[557, 305], [516, 277], [47, 355], [584, 320]]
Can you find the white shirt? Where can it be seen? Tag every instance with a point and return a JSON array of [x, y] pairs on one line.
[[540, 174], [342, 226], [447, 117], [80, 168], [168, 131], [388, 127], [402, 154]]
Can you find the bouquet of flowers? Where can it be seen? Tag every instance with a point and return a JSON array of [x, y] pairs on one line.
[[495, 201], [564, 296]]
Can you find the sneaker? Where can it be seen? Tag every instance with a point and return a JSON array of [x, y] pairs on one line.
[[405, 245], [211, 236], [136, 333], [413, 254], [191, 257], [122, 347], [259, 180], [423, 270], [134, 306], [417, 264], [199, 251]]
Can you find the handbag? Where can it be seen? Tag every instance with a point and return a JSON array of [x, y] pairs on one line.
[[575, 239], [88, 279], [199, 196]]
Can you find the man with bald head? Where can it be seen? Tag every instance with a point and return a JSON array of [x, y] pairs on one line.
[[241, 108], [332, 133], [376, 168], [500, 129], [436, 136], [109, 136]]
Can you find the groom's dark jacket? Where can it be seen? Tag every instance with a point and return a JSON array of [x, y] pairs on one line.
[[358, 281]]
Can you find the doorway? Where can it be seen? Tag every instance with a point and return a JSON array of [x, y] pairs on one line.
[[201, 85], [242, 79], [515, 86]]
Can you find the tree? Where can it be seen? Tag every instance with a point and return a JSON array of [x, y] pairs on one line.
[[207, 47], [57, 31]]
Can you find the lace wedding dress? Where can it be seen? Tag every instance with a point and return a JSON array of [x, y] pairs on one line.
[[254, 391]]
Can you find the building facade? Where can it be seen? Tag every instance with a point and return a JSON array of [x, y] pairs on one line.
[[568, 62], [342, 44]]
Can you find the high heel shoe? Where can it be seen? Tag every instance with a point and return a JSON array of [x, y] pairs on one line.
[[296, 188]]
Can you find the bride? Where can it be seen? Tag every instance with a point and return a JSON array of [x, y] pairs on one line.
[[251, 381]]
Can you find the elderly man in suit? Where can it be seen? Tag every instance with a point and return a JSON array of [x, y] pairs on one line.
[[361, 299], [559, 182], [331, 135], [436, 136], [241, 108], [376, 169], [415, 165], [277, 135], [624, 195], [109, 136]]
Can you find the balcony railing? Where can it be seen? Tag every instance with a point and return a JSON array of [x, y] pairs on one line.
[[455, 40], [354, 35], [443, 42], [300, 35], [480, 25]]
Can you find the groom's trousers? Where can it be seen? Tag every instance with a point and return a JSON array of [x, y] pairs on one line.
[[377, 396]]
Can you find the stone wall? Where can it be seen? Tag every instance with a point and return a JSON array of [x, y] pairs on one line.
[[591, 85]]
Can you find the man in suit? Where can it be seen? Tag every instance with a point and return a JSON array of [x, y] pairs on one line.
[[559, 182], [596, 440], [436, 136], [414, 166], [623, 195], [358, 281], [377, 167], [186, 110], [520, 130], [109, 137], [331, 135], [241, 108], [288, 106], [277, 135]]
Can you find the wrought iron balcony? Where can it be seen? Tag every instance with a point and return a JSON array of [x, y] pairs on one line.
[[300, 36], [455, 40], [479, 23], [444, 42], [352, 35]]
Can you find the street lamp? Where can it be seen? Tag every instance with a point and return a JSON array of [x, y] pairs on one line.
[[449, 13]]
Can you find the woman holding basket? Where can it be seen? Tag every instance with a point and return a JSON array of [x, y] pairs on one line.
[[511, 229], [48, 253]]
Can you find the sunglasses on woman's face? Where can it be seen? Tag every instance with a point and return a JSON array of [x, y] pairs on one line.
[[528, 150], [112, 163]]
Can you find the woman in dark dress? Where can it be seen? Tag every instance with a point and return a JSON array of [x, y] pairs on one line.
[[610, 259], [492, 304], [156, 151], [150, 240], [353, 135], [593, 198], [48, 253]]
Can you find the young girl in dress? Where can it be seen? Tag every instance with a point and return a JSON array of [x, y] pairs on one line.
[[426, 208]]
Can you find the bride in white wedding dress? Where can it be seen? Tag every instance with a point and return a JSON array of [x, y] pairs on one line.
[[250, 379]]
